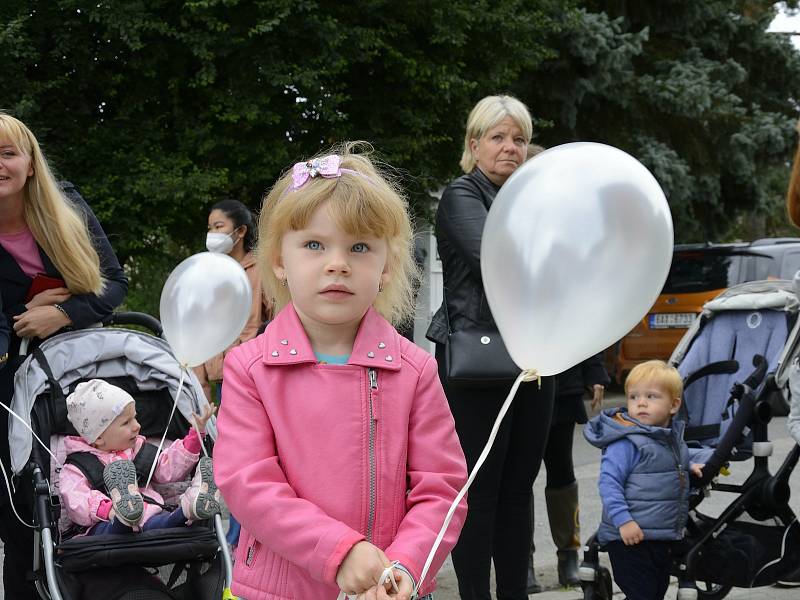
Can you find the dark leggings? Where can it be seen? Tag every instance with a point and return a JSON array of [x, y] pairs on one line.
[[498, 524], [558, 456], [18, 547], [17, 539], [164, 520]]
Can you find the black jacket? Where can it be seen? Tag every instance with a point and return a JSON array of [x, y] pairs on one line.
[[5, 334], [84, 309], [459, 226], [570, 388], [583, 375]]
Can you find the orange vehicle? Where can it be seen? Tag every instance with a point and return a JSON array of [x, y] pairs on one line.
[[698, 273]]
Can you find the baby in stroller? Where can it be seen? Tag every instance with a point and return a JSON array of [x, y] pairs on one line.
[[99, 480]]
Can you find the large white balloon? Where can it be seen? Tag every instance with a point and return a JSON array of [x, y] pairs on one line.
[[575, 250], [204, 306]]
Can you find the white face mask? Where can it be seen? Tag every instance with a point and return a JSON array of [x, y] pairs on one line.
[[219, 242]]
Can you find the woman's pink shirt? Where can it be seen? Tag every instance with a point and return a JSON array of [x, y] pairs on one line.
[[23, 249]]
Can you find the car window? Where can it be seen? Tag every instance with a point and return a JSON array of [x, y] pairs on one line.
[[701, 271], [790, 264], [756, 268]]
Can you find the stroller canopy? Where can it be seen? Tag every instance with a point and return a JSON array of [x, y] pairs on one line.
[[100, 353]]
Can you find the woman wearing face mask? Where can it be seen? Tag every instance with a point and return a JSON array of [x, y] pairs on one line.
[[231, 231]]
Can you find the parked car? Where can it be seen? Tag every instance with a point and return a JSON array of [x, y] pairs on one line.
[[698, 273]]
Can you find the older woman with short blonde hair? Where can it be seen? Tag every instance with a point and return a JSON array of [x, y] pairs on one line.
[[498, 525]]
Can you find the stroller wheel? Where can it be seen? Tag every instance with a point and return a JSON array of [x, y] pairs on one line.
[[712, 591], [600, 588]]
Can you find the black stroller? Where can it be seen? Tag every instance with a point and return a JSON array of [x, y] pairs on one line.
[[176, 564], [734, 361]]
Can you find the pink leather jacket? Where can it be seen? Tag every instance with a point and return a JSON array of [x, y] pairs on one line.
[[81, 501], [312, 458]]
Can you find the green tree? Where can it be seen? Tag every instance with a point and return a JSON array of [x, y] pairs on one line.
[[156, 108], [698, 91]]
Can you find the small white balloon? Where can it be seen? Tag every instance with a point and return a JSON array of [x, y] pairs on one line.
[[575, 250], [204, 306]]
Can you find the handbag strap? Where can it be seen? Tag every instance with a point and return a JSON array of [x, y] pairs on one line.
[[446, 311]]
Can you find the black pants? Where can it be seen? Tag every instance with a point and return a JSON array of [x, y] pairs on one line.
[[18, 551], [498, 524], [17, 539], [558, 456], [642, 570]]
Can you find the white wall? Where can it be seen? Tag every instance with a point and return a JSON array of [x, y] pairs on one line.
[[429, 298]]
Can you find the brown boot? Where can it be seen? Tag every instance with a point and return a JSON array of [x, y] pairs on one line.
[[562, 512]]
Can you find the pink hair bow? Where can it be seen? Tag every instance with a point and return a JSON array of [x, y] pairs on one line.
[[327, 167]]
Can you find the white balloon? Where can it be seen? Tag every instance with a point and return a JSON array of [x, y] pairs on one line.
[[575, 250], [204, 306]]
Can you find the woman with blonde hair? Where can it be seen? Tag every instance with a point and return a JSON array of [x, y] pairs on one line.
[[57, 271], [498, 525]]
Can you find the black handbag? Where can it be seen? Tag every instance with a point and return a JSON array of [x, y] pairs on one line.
[[477, 357]]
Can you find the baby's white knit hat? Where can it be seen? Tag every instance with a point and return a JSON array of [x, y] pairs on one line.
[[93, 405]]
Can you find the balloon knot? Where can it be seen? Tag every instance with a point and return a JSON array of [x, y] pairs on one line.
[[530, 375]]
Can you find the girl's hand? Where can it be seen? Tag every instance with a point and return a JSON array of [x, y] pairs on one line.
[[597, 398], [386, 591], [49, 297], [404, 585], [200, 421], [40, 321], [697, 469], [361, 569]]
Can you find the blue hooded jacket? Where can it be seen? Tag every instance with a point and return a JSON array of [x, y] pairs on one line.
[[644, 475]]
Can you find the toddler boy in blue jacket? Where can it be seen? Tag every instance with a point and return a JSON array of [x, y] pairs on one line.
[[644, 479]]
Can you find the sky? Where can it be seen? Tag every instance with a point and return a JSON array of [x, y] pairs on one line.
[[784, 22]]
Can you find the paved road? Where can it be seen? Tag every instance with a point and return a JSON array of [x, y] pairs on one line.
[[587, 465], [587, 462]]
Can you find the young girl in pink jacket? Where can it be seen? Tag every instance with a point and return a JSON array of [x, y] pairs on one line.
[[336, 448], [105, 417]]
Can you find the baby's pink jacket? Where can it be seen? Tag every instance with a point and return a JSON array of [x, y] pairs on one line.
[[294, 462], [81, 501]]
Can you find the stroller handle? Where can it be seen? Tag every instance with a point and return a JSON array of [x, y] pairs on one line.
[[747, 401], [135, 318], [121, 318]]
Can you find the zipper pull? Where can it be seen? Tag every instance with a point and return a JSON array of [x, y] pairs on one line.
[[250, 553], [373, 379]]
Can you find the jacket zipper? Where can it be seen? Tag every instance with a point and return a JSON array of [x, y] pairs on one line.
[[373, 388], [251, 551], [681, 479]]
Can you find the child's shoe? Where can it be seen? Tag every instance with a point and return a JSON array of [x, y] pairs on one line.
[[201, 500], [120, 479]]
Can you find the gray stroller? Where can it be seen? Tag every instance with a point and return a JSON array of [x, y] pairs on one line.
[[735, 362], [177, 563]]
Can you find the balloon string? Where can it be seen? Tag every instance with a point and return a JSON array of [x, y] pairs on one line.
[[526, 375], [184, 369], [21, 420]]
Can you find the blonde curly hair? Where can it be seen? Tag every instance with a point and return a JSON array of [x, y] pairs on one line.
[[367, 202]]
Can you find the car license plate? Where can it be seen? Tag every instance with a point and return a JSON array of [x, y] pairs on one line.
[[671, 320]]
